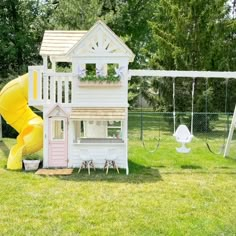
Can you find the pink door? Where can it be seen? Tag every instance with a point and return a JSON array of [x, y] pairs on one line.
[[58, 155]]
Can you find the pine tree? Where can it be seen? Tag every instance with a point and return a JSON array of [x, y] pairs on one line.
[[192, 35]]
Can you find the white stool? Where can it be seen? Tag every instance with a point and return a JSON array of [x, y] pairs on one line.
[[87, 161], [110, 160]]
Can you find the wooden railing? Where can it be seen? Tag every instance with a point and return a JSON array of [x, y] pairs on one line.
[[49, 88]]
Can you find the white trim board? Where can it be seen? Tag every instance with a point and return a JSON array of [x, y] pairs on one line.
[[179, 73]]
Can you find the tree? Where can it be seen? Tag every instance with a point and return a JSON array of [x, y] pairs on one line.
[[130, 21], [192, 35], [76, 15], [22, 23]]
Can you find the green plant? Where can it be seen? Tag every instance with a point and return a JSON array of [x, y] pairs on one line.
[[100, 79], [34, 156]]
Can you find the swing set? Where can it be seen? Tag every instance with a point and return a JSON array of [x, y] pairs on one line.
[[158, 139], [182, 134], [220, 152]]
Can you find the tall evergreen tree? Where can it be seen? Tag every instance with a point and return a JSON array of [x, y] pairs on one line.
[[192, 35], [189, 35]]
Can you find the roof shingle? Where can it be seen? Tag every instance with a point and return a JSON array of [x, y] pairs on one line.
[[57, 42]]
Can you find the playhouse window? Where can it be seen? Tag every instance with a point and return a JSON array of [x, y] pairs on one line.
[[111, 69], [102, 70], [64, 67], [94, 129], [58, 128], [98, 129], [78, 130], [91, 69], [96, 70], [114, 129]]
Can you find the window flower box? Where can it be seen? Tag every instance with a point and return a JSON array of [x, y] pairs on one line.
[[99, 81], [99, 84]]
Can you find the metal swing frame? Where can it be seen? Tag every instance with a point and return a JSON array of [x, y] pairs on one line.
[[188, 74], [206, 118]]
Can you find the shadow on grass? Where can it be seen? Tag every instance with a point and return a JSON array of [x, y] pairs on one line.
[[137, 174], [231, 158], [4, 148], [191, 167]]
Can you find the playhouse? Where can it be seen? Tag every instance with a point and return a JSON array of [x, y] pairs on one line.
[[82, 117]]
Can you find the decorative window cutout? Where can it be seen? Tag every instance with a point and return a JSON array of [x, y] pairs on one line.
[[102, 43]]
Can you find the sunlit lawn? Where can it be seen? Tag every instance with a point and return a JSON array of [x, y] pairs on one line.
[[166, 193]]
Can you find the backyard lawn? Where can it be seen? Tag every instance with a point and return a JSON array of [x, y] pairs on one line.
[[166, 193]]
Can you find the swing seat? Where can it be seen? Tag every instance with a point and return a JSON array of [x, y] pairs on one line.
[[183, 136]]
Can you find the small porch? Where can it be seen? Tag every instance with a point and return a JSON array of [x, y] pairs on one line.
[[99, 131]]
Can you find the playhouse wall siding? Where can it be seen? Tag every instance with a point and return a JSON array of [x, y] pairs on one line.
[[98, 152], [99, 97]]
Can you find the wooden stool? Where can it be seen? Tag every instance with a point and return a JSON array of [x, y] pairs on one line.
[[87, 165], [110, 163]]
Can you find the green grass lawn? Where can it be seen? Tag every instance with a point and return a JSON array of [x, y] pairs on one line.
[[166, 193]]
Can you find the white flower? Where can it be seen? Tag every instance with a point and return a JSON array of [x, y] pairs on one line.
[[99, 72], [81, 72], [119, 71]]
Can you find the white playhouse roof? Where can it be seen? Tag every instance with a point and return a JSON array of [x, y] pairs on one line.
[[57, 42], [100, 40]]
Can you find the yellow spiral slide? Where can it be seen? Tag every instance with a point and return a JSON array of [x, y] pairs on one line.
[[15, 110]]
